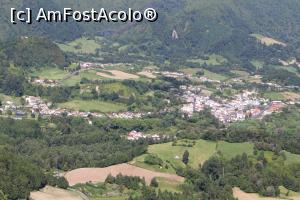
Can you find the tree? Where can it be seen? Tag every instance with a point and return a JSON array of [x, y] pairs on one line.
[[2, 196], [110, 179], [213, 168], [32, 115], [94, 93], [22, 101], [185, 157], [9, 112], [154, 183]]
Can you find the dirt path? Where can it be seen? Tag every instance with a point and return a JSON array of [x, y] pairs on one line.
[[94, 175]]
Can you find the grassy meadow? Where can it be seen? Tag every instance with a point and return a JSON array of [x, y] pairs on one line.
[[100, 106], [50, 73], [82, 45], [202, 150], [89, 74], [119, 88]]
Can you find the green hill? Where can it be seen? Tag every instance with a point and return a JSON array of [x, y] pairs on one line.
[[204, 27], [198, 23], [34, 52]]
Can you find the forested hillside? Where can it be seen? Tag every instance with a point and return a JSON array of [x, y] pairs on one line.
[[201, 25], [32, 51]]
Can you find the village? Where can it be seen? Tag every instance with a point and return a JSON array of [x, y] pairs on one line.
[[37, 106], [242, 106]]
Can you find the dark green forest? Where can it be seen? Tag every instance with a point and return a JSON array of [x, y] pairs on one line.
[[202, 26]]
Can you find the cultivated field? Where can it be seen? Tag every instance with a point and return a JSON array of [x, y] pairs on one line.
[[117, 74], [51, 193], [95, 175]]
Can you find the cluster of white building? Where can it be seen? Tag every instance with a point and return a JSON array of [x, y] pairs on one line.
[[136, 135], [205, 79], [127, 115], [242, 106], [45, 82], [173, 74], [90, 65]]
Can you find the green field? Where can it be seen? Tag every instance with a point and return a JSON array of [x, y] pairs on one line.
[[90, 75], [215, 76], [190, 71], [199, 153], [172, 155], [87, 106], [230, 150], [15, 100], [207, 73], [103, 191], [240, 73], [273, 96], [119, 88], [291, 194], [292, 158], [258, 64], [165, 185], [50, 73], [82, 46], [212, 60]]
